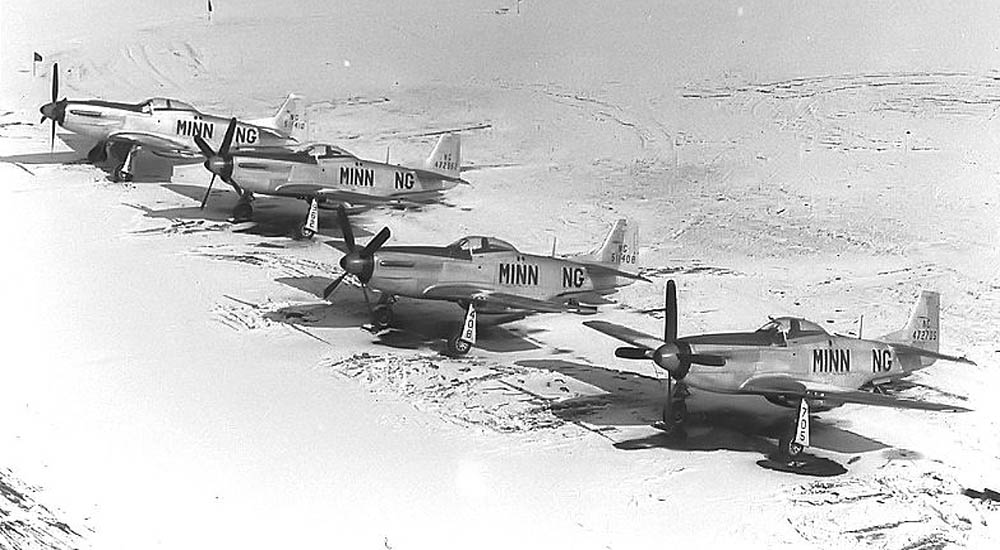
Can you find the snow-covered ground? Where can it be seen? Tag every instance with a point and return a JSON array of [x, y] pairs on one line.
[[169, 382]]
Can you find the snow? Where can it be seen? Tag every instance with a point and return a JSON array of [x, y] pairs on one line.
[[168, 381]]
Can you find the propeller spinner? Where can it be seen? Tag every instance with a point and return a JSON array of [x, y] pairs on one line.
[[359, 262], [673, 356], [220, 163]]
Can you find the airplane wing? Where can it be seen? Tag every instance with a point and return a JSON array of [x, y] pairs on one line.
[[158, 143], [350, 197], [903, 349], [785, 385], [625, 334], [478, 295]]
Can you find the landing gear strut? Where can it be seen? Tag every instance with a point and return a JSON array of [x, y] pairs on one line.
[[310, 226], [123, 172], [795, 438], [243, 211], [99, 153], [675, 411]]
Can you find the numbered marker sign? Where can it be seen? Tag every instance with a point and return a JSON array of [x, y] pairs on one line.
[[469, 326], [802, 426]]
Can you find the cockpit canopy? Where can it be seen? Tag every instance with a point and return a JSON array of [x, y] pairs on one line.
[[793, 327], [482, 245], [166, 104], [325, 151]]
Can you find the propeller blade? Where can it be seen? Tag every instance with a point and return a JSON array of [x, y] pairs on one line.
[[228, 139], [52, 137], [368, 303], [670, 319], [333, 286], [707, 360], [55, 82], [204, 200], [377, 242], [205, 148], [632, 353], [345, 228]]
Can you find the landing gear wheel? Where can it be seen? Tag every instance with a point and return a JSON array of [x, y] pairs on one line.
[[304, 233], [458, 347], [382, 317], [242, 212], [673, 418], [787, 446], [120, 175]]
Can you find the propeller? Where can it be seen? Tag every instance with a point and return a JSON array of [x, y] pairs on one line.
[[674, 356], [357, 262], [220, 163], [55, 110]]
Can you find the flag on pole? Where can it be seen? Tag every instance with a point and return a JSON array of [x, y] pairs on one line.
[[35, 59], [38, 57]]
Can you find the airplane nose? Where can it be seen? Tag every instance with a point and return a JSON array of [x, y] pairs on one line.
[[54, 111]]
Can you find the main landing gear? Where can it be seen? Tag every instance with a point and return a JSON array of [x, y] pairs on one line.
[[310, 226], [675, 411], [243, 211], [795, 438], [461, 342], [125, 151]]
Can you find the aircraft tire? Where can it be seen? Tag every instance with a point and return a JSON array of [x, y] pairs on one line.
[[242, 212], [304, 233], [458, 347], [382, 317], [788, 447]]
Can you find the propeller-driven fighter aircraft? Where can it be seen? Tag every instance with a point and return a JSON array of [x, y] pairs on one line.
[[789, 361], [486, 275], [323, 173], [165, 127]]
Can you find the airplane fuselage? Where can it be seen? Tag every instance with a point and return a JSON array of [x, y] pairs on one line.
[[828, 359], [267, 171], [410, 271], [165, 131]]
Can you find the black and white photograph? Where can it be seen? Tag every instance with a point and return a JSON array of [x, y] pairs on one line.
[[499, 274]]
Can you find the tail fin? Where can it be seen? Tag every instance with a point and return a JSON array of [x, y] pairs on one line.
[[621, 246], [291, 117], [921, 331], [446, 158]]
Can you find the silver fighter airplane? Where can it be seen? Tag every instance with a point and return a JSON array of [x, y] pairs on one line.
[[486, 275], [319, 173], [165, 127], [789, 361]]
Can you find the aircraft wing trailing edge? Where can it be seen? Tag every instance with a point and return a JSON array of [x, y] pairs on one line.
[[786, 386], [625, 334], [156, 142], [481, 296]]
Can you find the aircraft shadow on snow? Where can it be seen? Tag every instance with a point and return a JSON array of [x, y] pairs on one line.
[[147, 167], [418, 324], [715, 422]]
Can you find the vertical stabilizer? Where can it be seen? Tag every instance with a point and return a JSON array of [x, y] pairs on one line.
[[291, 118], [446, 158], [922, 329], [621, 245]]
